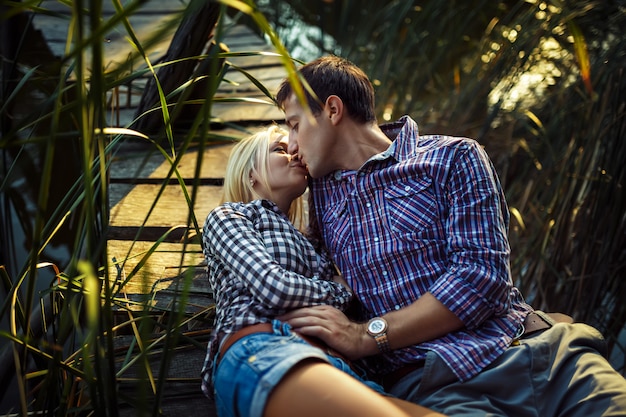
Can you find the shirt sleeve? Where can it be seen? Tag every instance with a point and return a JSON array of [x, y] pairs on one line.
[[477, 283], [232, 237]]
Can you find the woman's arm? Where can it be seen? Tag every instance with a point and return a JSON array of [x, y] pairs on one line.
[[231, 236]]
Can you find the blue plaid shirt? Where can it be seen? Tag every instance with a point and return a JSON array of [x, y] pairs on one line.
[[260, 266], [426, 215]]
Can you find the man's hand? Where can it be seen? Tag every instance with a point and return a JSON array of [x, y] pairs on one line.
[[425, 319], [334, 328]]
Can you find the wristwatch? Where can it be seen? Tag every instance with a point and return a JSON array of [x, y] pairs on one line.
[[377, 328]]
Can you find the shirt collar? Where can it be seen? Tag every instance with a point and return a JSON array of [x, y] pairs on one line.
[[404, 135]]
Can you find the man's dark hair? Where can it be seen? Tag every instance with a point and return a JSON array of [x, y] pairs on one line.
[[332, 75]]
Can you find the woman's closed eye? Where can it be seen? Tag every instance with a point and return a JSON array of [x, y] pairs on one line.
[[280, 148]]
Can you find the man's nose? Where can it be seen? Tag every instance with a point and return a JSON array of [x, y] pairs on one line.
[[292, 147]]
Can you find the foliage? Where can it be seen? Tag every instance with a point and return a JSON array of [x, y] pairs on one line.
[[540, 83], [63, 311]]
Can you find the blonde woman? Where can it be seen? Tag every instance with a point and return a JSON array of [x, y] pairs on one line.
[[261, 266]]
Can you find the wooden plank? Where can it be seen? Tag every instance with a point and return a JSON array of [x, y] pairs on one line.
[[255, 61], [152, 14], [145, 204], [182, 395], [248, 113], [249, 42], [238, 83], [151, 233], [213, 161], [166, 261], [170, 181]]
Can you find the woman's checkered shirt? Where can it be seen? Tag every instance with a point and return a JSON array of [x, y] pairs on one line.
[[260, 266]]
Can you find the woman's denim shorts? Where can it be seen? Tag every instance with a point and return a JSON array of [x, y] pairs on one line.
[[255, 364]]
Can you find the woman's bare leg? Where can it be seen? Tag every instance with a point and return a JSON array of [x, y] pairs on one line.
[[318, 389]]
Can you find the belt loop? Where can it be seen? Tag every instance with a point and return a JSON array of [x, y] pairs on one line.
[[281, 328]]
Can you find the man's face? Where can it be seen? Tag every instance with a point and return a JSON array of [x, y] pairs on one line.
[[310, 137]]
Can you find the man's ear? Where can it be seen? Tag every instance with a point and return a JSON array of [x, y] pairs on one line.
[[334, 109]]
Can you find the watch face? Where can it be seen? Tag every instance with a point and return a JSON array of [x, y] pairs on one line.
[[376, 326]]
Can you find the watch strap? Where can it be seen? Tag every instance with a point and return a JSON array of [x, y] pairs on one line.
[[382, 342]]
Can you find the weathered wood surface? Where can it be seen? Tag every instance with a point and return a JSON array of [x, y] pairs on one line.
[[159, 271], [190, 39], [154, 14], [134, 212], [160, 208], [176, 263]]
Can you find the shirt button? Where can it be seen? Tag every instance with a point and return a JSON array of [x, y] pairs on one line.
[[368, 205], [337, 175], [376, 239], [397, 307], [407, 188]]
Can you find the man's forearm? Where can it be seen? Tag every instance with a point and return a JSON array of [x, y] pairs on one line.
[[425, 319]]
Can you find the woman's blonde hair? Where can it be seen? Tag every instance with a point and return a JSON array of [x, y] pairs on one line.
[[250, 155]]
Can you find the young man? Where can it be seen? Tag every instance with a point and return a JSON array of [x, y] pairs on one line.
[[418, 226]]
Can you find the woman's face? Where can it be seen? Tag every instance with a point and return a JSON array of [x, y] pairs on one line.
[[287, 178]]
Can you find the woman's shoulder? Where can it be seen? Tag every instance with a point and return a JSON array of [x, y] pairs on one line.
[[230, 207], [238, 209], [253, 214]]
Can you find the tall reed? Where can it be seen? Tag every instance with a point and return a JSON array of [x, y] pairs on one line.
[[61, 305]]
